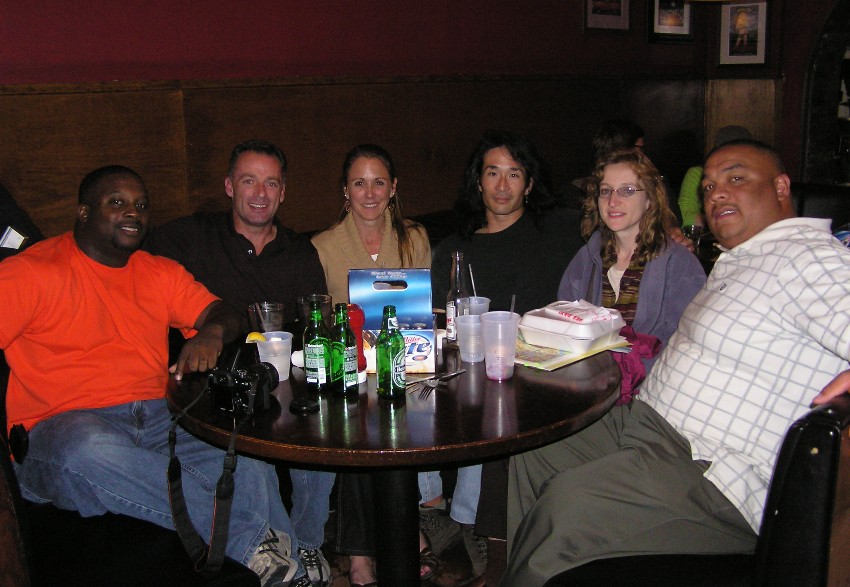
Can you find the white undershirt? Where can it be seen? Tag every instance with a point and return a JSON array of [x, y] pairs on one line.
[[374, 257], [614, 276]]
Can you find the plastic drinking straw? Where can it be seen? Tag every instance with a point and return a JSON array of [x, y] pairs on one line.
[[513, 301], [472, 280]]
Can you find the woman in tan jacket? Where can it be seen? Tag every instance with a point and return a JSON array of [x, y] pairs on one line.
[[370, 233]]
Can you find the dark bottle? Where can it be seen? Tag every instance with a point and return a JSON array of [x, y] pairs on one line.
[[343, 352], [457, 300], [390, 356], [317, 352]]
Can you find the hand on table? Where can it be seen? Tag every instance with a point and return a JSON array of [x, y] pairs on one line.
[[200, 353]]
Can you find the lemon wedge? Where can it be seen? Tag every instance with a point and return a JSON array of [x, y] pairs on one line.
[[255, 337]]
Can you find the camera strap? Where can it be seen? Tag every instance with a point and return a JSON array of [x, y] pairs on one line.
[[206, 561]]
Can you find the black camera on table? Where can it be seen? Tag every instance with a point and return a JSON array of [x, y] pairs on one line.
[[240, 383]]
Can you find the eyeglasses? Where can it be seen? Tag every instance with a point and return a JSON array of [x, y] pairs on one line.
[[626, 191]]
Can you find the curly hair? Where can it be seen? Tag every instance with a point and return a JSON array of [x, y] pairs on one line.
[[655, 222], [400, 226], [469, 206]]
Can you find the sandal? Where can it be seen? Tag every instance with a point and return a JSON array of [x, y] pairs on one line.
[[428, 560], [439, 529]]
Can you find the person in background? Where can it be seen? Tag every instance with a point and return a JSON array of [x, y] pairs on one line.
[[629, 263], [517, 239], [246, 255], [22, 231], [370, 232], [17, 232], [615, 134], [84, 330], [689, 196], [685, 467]]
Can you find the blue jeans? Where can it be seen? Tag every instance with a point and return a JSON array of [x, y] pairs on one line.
[[311, 493], [467, 492], [465, 497], [430, 485], [115, 460]]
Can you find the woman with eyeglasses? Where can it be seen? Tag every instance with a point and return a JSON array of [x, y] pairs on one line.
[[629, 262]]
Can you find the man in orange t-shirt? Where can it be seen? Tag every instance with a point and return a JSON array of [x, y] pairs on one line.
[[86, 317]]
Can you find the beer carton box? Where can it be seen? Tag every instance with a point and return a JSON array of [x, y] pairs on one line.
[[409, 290]]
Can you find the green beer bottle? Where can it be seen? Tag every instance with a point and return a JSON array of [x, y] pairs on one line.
[[390, 356], [343, 352], [317, 352]]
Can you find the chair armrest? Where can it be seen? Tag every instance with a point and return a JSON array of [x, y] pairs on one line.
[[839, 545], [794, 541]]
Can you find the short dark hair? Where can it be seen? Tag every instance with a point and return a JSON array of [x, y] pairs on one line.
[[469, 205], [615, 134], [91, 182], [755, 144], [257, 146]]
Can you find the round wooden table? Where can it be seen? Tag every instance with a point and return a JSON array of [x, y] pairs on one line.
[[468, 420]]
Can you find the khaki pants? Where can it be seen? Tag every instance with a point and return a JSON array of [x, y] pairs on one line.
[[625, 485]]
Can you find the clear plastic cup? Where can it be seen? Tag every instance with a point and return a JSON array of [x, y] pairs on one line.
[[277, 350], [469, 338], [478, 305], [325, 305], [499, 330], [265, 316]]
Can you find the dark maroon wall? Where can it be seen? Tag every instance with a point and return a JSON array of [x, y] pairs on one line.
[[100, 40]]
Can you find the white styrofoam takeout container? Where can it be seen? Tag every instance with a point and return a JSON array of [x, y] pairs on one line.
[[542, 328]]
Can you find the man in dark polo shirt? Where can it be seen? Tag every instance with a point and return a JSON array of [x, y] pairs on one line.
[[246, 256]]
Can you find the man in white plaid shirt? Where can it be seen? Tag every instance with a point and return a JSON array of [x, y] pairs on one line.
[[685, 469]]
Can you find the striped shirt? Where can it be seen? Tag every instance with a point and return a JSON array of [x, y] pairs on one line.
[[770, 328]]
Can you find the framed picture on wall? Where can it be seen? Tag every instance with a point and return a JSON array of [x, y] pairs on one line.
[[607, 14], [670, 22], [743, 27]]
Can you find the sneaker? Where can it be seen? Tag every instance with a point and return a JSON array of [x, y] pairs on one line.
[[272, 561], [476, 548], [303, 581], [316, 565], [440, 530]]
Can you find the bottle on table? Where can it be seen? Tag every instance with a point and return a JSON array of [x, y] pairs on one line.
[[343, 352], [457, 300], [357, 320], [317, 352], [390, 356]]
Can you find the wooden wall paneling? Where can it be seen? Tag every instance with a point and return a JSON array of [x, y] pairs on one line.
[[672, 113], [49, 141], [752, 103], [179, 135], [429, 126]]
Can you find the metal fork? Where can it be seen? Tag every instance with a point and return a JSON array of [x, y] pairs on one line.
[[429, 384]]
